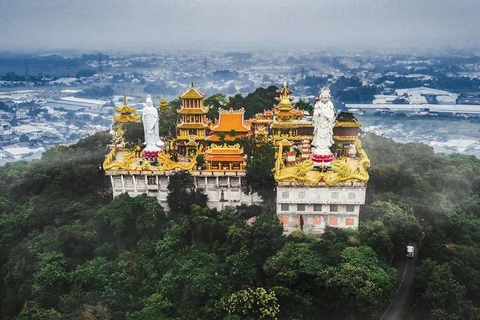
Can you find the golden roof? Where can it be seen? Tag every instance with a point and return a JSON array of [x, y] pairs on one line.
[[185, 125], [127, 113], [224, 153], [124, 118], [231, 120], [285, 103], [224, 150], [283, 110], [201, 110], [192, 93], [163, 104]]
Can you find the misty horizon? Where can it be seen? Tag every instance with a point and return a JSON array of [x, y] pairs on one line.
[[237, 25]]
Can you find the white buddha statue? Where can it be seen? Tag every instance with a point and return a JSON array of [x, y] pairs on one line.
[[150, 127], [323, 123]]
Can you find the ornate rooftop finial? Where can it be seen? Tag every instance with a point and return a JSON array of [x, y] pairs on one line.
[[191, 86], [124, 99]]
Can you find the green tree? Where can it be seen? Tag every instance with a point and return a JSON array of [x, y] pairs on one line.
[[167, 119], [260, 161], [128, 220], [214, 102], [303, 105], [182, 195], [134, 133], [50, 279], [32, 311], [252, 304], [401, 224], [376, 235], [360, 284], [443, 293], [293, 274]]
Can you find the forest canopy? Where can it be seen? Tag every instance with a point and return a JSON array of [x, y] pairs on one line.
[[68, 250]]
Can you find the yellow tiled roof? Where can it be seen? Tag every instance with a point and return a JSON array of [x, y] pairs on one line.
[[192, 93], [231, 120]]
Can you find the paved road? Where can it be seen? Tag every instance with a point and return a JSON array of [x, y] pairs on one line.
[[405, 276]]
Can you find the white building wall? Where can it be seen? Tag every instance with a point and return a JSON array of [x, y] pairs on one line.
[[221, 191], [313, 209]]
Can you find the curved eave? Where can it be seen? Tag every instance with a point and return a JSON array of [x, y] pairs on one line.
[[126, 118], [347, 124], [202, 110], [125, 109], [192, 126]]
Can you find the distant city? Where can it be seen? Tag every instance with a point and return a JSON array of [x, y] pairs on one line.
[[55, 99]]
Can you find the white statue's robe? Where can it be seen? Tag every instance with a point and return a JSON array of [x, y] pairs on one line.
[[323, 123], [150, 126]]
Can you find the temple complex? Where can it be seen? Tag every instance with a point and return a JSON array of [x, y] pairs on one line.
[[324, 189], [221, 176], [320, 167]]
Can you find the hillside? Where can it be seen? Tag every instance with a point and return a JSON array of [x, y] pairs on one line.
[[68, 251]]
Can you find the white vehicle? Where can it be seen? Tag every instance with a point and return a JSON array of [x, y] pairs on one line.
[[410, 251]]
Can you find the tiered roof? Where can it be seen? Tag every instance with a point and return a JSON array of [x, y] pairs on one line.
[[192, 102], [192, 93], [126, 113], [283, 111]]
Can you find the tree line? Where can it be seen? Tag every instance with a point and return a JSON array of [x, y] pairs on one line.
[[70, 251]]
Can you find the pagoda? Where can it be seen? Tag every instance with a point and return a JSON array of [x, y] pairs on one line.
[[283, 111], [126, 113], [289, 123], [192, 122], [231, 125], [163, 105]]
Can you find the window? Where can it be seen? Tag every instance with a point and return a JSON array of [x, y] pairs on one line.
[[349, 222], [351, 195], [285, 194], [117, 182], [334, 208], [335, 195], [350, 208], [284, 220], [301, 194], [128, 181], [332, 221], [317, 207], [300, 207], [284, 207], [151, 181]]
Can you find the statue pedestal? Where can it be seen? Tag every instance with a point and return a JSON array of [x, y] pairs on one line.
[[150, 154], [322, 160]]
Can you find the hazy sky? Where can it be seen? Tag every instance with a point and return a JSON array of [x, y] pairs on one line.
[[236, 24]]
